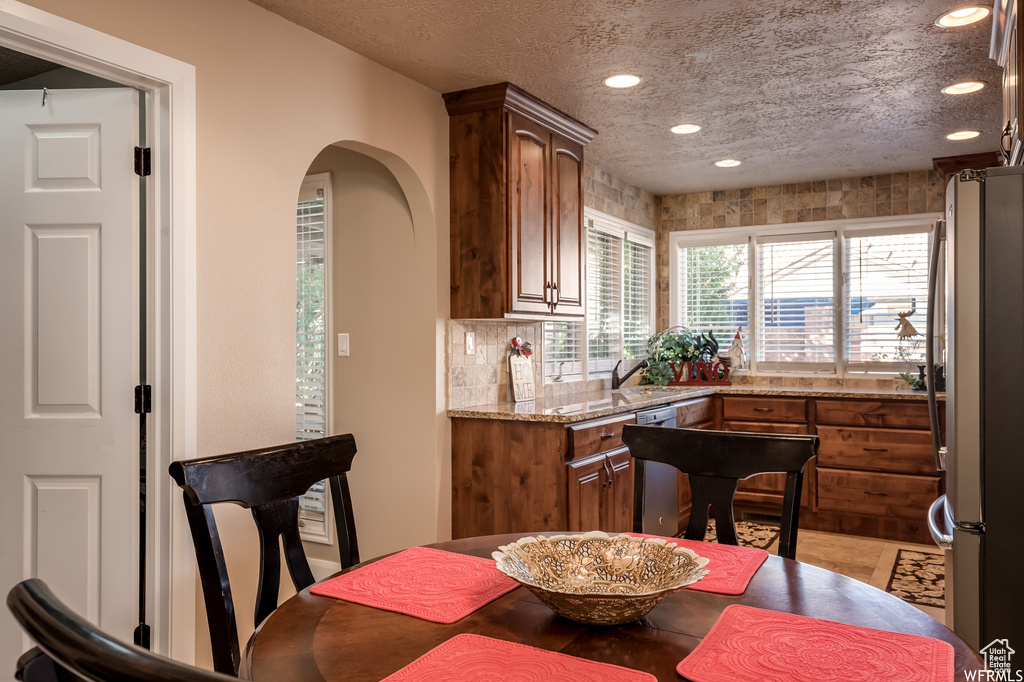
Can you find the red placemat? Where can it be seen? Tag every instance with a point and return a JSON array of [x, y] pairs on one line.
[[731, 566], [752, 645], [472, 658], [427, 583]]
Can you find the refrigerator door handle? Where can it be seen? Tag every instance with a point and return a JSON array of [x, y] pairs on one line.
[[943, 540], [929, 343]]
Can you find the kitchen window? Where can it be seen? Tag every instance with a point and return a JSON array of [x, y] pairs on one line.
[[620, 303], [827, 297], [311, 334]]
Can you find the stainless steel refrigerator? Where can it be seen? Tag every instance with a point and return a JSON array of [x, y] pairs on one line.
[[979, 333]]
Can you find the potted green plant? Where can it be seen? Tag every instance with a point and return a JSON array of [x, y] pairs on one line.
[[669, 349]]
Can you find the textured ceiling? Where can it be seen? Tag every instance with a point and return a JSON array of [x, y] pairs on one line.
[[795, 89]]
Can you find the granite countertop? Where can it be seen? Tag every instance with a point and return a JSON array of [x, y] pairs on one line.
[[583, 406]]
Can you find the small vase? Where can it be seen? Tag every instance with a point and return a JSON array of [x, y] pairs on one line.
[[920, 379]]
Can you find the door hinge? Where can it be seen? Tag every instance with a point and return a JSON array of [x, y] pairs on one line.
[[143, 399], [969, 175], [143, 161]]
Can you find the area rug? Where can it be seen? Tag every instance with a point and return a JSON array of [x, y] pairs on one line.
[[919, 578], [749, 534]]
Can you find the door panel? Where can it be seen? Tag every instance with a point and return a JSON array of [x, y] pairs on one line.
[[529, 151], [69, 352], [568, 261], [587, 483]]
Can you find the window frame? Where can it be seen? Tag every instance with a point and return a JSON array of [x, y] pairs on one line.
[[623, 230], [919, 222]]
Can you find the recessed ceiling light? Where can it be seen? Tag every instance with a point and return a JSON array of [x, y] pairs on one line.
[[727, 163], [963, 135], [963, 88], [624, 80], [685, 128], [962, 16]]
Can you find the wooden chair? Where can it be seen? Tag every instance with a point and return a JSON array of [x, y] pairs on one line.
[[268, 481], [714, 461], [83, 650]]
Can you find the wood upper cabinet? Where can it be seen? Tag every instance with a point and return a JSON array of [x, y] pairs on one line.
[[517, 235]]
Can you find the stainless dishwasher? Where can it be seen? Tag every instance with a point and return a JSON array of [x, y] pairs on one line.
[[661, 494]]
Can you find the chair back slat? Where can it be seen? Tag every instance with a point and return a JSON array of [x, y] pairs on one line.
[[714, 462], [269, 482], [85, 650]]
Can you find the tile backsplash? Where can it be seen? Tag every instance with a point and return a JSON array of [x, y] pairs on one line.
[[483, 379]]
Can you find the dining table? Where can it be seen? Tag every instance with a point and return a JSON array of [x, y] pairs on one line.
[[312, 637]]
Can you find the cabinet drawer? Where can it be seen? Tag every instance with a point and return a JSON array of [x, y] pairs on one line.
[[894, 495], [897, 414], [764, 409], [764, 427], [896, 450], [693, 411], [591, 437]]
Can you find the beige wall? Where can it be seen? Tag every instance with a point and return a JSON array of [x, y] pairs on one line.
[[270, 97], [377, 299]]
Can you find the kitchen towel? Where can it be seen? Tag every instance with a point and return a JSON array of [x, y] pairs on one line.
[[431, 584], [730, 569], [469, 658], [753, 645]]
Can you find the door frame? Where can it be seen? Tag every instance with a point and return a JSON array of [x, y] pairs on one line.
[[170, 89]]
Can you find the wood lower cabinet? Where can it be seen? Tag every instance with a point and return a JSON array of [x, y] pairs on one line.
[[600, 494], [517, 234], [528, 476], [874, 474], [768, 415], [875, 471]]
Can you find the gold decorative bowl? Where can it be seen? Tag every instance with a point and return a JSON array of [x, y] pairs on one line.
[[600, 579]]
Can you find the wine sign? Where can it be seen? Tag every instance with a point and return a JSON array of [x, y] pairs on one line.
[[521, 373], [699, 373]]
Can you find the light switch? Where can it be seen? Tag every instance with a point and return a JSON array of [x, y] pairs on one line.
[[342, 345], [470, 343]]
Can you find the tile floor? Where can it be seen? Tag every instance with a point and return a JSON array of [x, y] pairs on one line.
[[866, 559]]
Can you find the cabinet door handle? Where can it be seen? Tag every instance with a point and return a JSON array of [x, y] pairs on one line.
[[554, 290], [606, 436], [876, 449], [608, 470], [764, 409], [873, 492]]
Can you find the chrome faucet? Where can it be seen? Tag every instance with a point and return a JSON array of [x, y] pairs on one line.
[[617, 380]]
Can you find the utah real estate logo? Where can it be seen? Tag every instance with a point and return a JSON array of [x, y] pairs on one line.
[[997, 661]]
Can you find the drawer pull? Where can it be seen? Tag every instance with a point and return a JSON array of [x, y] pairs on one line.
[[873, 492], [876, 449], [764, 409], [606, 436]]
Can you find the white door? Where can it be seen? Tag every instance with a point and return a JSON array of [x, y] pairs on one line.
[[69, 353]]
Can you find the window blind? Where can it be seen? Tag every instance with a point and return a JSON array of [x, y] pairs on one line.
[[310, 335], [886, 276], [604, 300], [714, 290], [563, 350], [796, 302], [637, 306], [312, 218], [620, 304]]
